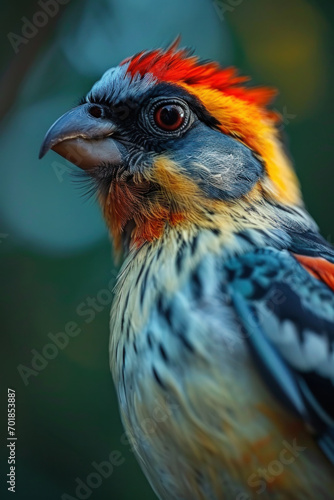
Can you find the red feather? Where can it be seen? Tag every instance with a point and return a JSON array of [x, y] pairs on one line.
[[178, 65], [319, 268]]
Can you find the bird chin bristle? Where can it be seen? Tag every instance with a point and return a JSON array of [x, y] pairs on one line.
[[88, 185]]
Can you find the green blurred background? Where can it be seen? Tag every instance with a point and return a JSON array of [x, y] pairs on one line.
[[55, 253]]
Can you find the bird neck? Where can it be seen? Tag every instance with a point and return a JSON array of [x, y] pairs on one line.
[[135, 215], [141, 211]]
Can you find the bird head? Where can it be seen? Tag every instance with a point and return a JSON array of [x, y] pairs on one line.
[[171, 141]]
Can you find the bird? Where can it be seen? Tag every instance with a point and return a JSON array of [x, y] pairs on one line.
[[222, 323]]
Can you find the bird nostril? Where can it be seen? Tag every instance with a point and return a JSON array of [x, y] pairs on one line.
[[95, 111]]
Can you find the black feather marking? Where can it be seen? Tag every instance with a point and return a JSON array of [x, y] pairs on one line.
[[139, 275], [124, 354], [230, 276], [157, 378], [163, 353], [128, 331], [312, 244], [149, 339], [143, 287], [245, 237], [246, 272], [159, 252], [186, 342], [168, 315], [320, 388], [302, 317], [196, 285], [258, 292], [179, 257], [194, 244], [124, 309], [160, 304]]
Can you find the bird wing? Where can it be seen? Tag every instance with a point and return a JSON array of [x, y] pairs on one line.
[[285, 305]]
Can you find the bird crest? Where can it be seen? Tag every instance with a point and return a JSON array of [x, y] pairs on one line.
[[179, 65]]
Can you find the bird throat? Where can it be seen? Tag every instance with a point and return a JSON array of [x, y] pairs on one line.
[[136, 213]]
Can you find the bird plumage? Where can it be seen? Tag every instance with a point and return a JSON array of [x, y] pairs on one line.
[[222, 326]]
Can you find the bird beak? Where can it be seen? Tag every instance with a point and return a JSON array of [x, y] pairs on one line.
[[83, 136]]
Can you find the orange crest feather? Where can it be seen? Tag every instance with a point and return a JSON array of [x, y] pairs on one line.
[[178, 65]]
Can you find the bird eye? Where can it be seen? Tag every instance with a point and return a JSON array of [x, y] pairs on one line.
[[169, 117]]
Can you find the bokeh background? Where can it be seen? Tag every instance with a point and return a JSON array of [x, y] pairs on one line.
[[55, 252]]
